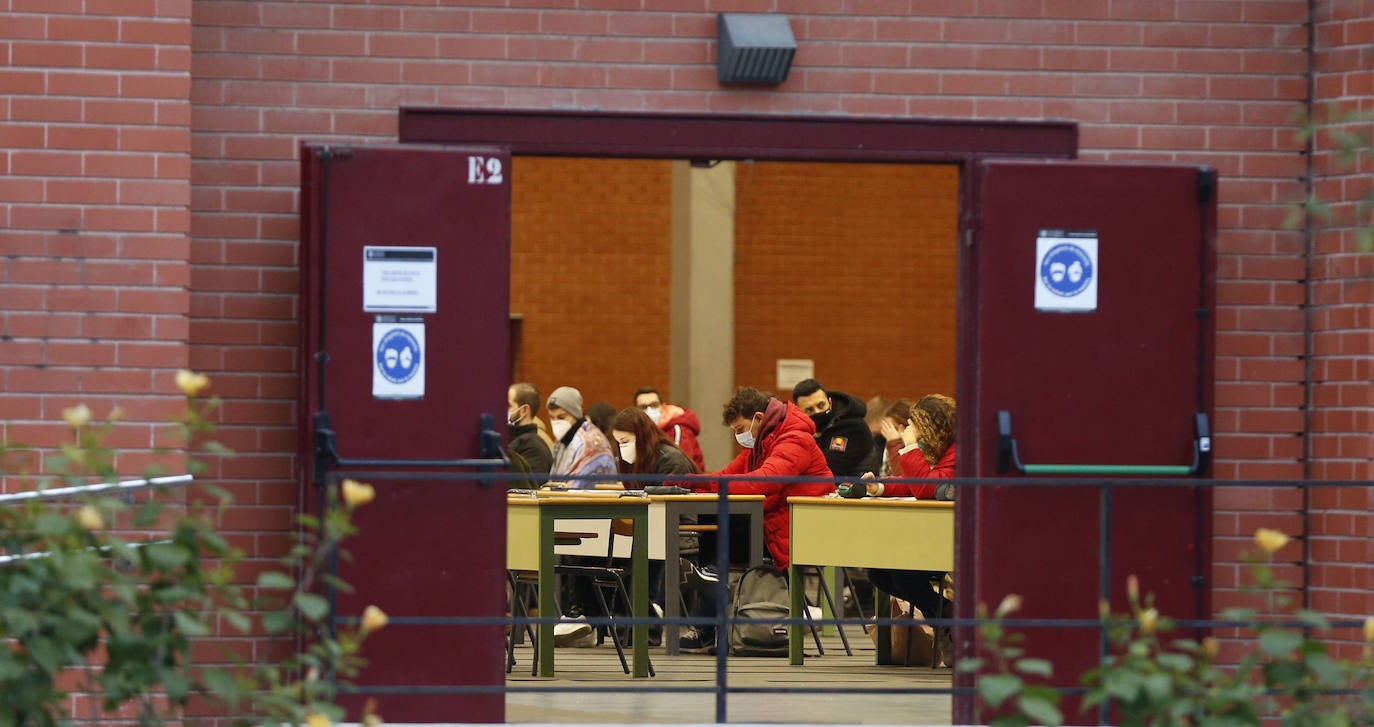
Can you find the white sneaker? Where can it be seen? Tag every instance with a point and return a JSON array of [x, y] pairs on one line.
[[814, 612], [570, 631]]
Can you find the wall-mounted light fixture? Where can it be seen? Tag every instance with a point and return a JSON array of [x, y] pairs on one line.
[[753, 48]]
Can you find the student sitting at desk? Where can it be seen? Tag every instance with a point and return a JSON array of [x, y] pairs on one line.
[[928, 453], [646, 450], [778, 441]]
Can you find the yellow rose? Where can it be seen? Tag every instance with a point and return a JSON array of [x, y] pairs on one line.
[[77, 416], [89, 518], [356, 493], [1369, 628], [1149, 618], [1010, 604], [191, 382], [1270, 540], [373, 619], [315, 719], [1211, 647]]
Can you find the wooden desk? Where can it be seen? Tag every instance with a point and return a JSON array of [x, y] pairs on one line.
[[872, 532], [673, 506], [530, 540]]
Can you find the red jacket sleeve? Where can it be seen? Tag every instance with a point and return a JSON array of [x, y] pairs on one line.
[[789, 456], [914, 465], [894, 461]]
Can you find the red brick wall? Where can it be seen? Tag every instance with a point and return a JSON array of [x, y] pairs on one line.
[[1342, 447], [94, 186], [850, 265], [591, 248]]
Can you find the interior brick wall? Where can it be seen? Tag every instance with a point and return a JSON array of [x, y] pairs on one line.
[[853, 266], [591, 251]]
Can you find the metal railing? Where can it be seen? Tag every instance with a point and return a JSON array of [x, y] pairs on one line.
[[964, 628]]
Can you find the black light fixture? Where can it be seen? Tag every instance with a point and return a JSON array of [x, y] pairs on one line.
[[753, 48]]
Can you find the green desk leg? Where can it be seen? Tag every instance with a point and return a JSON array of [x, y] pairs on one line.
[[639, 567], [797, 590], [547, 586], [882, 608]]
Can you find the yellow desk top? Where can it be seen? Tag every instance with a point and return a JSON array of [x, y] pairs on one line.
[[874, 532]]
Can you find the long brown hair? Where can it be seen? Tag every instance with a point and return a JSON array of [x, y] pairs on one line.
[[934, 418], [649, 439]]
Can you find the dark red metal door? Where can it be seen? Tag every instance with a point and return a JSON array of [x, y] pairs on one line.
[[1088, 313], [405, 262]]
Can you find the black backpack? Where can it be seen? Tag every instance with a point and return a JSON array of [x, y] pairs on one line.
[[761, 593]]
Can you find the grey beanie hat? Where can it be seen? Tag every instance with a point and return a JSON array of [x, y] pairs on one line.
[[568, 399]]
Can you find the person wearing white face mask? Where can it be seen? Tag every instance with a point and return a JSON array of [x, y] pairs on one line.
[[646, 450], [679, 423], [522, 403], [580, 449]]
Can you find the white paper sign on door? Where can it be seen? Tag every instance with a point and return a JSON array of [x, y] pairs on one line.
[[400, 279], [398, 360]]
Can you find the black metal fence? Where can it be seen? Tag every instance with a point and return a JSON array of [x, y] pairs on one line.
[[965, 628]]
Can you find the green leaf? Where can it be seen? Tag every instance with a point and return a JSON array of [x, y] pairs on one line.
[[276, 622], [1035, 667], [190, 624], [1238, 614], [1178, 663], [996, 688], [1123, 685], [222, 684], [1279, 642], [969, 665], [1312, 619], [167, 556], [313, 606], [273, 580], [237, 620], [1040, 710]]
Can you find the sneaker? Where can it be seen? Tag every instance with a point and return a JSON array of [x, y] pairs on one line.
[[702, 579], [697, 641], [656, 630], [813, 613], [571, 631]]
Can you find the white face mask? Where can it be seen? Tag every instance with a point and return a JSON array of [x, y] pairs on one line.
[[654, 413], [560, 428], [513, 417], [627, 451], [745, 439]]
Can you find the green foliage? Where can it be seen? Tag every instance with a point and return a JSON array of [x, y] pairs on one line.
[[86, 608], [1346, 132], [1287, 677], [1007, 686]]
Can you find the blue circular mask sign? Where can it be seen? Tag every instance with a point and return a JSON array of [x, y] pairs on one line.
[[1066, 270], [398, 356]]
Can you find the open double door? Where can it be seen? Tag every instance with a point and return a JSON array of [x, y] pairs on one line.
[[1085, 315]]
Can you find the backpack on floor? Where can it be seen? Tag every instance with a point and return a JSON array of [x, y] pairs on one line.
[[761, 593]]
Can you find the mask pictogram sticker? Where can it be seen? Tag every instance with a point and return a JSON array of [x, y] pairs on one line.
[[1066, 271], [398, 360]]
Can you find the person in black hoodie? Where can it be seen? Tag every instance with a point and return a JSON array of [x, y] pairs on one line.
[[841, 431], [522, 402]]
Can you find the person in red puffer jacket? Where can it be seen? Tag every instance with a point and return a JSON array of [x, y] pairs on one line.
[[778, 441], [929, 453]]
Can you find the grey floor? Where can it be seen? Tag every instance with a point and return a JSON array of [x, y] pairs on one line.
[[640, 702]]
